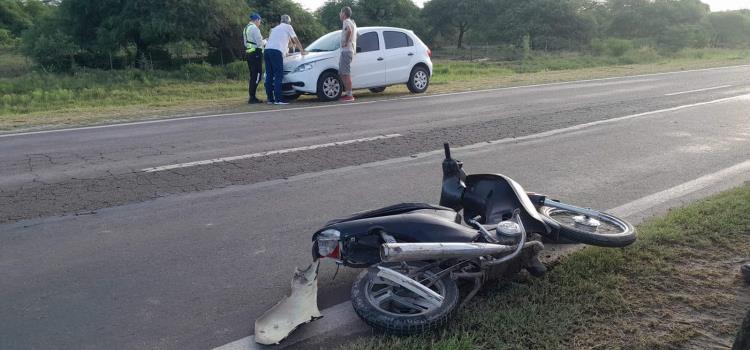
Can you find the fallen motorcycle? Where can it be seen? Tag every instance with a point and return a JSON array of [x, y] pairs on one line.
[[415, 254]]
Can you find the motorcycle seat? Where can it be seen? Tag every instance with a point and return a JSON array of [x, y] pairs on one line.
[[396, 209]]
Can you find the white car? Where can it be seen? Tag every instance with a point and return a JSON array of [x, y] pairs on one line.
[[385, 56]]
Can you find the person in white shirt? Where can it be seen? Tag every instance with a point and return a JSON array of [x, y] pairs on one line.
[[277, 46], [348, 49]]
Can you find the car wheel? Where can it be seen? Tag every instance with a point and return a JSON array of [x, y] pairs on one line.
[[329, 86], [377, 90], [419, 80]]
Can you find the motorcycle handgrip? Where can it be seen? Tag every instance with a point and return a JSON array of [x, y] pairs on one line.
[[447, 151]]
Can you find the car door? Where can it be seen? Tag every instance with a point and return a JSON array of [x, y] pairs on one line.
[[399, 56], [368, 65]]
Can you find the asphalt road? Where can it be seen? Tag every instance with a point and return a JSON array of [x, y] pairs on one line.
[[87, 169], [195, 266]]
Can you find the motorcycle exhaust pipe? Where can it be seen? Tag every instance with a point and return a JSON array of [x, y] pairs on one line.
[[398, 252]]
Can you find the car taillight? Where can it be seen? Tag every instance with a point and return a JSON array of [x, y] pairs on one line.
[[429, 53], [328, 244]]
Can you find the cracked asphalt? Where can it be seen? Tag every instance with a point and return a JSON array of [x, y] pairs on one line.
[[81, 171]]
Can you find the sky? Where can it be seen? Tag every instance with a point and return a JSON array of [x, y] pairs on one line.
[[716, 5]]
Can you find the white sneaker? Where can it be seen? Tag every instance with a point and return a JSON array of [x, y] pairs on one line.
[[281, 103]]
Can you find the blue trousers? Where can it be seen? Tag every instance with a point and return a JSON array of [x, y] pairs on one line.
[[274, 74]]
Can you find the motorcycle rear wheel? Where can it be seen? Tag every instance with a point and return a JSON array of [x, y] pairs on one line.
[[611, 232], [395, 310]]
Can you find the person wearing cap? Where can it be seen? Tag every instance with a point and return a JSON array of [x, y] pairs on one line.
[[277, 47], [253, 55], [348, 49]]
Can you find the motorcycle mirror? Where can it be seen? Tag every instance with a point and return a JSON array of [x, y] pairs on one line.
[[447, 151]]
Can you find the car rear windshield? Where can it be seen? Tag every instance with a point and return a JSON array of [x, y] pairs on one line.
[[328, 42]]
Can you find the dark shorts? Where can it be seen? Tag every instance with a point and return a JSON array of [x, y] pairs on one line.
[[345, 63]]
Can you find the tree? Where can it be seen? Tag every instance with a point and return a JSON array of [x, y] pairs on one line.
[[305, 24], [101, 27], [328, 14], [224, 34], [645, 18], [731, 28], [48, 45], [454, 17], [17, 15], [550, 24], [392, 13]]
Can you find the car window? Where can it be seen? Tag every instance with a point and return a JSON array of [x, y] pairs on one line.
[[368, 42], [394, 40], [328, 42]]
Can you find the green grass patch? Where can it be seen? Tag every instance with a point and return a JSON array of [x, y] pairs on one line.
[[13, 64], [677, 286]]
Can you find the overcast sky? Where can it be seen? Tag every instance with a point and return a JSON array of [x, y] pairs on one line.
[[716, 5]]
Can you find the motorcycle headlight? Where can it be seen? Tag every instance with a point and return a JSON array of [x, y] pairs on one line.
[[303, 68], [328, 243]]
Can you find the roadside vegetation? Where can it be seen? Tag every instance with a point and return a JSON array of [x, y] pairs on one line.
[[75, 62], [32, 98], [678, 286]]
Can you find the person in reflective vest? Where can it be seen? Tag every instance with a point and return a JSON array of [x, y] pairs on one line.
[[254, 55]]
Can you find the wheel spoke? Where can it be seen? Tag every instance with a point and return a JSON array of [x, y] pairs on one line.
[[415, 304], [382, 295]]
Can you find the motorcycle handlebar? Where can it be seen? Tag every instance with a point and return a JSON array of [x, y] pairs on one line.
[[447, 151]]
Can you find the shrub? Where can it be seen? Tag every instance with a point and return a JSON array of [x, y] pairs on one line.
[[642, 55], [201, 72], [611, 46], [7, 40], [52, 51], [236, 70]]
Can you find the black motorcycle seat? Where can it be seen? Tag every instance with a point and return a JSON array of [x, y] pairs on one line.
[[408, 222], [396, 209]]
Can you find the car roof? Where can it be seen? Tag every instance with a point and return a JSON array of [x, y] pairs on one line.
[[384, 28]]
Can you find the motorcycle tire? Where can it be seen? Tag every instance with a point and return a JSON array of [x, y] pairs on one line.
[[391, 318], [613, 231]]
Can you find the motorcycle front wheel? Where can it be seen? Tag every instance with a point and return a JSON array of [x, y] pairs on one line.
[[396, 310], [605, 231]]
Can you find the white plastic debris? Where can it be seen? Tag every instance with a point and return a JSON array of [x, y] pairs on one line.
[[298, 308]]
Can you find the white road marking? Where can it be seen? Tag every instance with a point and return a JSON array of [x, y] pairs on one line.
[[681, 190], [625, 210], [698, 90], [473, 146], [167, 119], [599, 122], [484, 146], [267, 153]]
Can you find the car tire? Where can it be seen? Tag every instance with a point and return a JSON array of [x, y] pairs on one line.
[[377, 90], [329, 86], [419, 80]]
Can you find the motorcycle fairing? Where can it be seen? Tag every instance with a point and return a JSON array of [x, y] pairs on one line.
[[407, 222], [495, 196], [300, 307], [421, 225]]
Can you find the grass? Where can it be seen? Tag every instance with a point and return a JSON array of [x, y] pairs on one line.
[[13, 64], [32, 99], [678, 286]]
